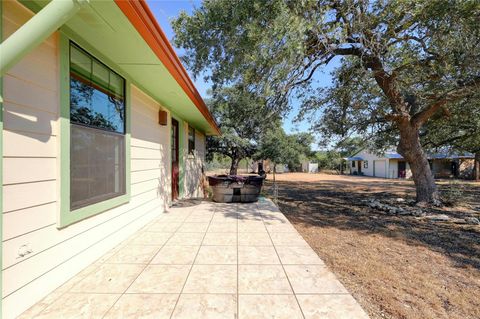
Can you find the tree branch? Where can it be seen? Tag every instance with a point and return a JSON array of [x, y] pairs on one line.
[[454, 94]]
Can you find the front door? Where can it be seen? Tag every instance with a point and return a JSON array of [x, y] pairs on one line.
[[402, 169], [175, 161]]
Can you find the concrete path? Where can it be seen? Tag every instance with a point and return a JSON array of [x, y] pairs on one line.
[[206, 261]]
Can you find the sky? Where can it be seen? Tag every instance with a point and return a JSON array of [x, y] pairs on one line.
[[166, 10]]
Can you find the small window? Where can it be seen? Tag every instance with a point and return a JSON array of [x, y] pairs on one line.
[[365, 164], [191, 140], [353, 163], [97, 131]]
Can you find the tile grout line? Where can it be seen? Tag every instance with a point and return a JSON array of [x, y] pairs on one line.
[[288, 279], [143, 269], [96, 264], [193, 263]]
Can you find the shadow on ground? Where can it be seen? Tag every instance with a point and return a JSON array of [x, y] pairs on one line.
[[334, 204]]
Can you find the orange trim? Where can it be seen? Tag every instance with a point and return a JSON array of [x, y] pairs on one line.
[[140, 16]]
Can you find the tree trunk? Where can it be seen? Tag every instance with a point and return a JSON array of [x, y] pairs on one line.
[[411, 149], [234, 166], [476, 167]]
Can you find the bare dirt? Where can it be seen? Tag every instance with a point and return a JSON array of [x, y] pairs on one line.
[[395, 266]]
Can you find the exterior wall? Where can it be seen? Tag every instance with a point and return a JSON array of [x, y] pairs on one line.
[[465, 169], [194, 166], [37, 256], [367, 168], [393, 169]]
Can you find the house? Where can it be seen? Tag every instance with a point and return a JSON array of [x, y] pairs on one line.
[[309, 167], [102, 130], [392, 165]]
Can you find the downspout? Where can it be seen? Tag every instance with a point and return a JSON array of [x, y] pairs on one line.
[[36, 30]]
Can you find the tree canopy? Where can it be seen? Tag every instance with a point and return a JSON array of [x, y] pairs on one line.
[[402, 62], [242, 117], [281, 148]]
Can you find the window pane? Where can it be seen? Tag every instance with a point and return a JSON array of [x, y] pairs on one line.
[[92, 107], [96, 93], [80, 63], [97, 165]]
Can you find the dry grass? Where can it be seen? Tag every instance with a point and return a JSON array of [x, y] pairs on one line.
[[395, 266]]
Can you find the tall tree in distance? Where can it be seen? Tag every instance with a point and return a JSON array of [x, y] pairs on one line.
[[419, 56], [243, 117]]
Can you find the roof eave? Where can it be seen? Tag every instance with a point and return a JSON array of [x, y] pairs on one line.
[[140, 16]]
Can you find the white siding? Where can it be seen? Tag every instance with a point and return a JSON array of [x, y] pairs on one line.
[[379, 168], [31, 172], [193, 186]]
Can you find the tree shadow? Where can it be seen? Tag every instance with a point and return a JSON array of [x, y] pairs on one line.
[[339, 204]]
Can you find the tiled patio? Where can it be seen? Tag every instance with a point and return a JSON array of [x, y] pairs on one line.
[[206, 261]]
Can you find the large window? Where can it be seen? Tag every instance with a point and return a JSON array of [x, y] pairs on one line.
[[191, 140], [97, 131]]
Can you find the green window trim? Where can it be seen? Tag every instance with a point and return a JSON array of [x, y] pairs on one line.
[[67, 216], [181, 154]]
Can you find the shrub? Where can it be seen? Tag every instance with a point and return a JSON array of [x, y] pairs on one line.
[[453, 193]]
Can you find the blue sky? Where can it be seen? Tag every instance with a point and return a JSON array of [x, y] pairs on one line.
[[166, 10]]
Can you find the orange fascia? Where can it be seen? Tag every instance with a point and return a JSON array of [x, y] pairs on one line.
[[140, 16]]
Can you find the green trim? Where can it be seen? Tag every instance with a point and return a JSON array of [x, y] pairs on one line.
[[68, 217], [181, 158], [36, 30], [1, 171]]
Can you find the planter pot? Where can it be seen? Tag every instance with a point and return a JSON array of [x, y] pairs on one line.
[[234, 188]]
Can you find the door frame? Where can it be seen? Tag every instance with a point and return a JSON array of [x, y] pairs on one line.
[[175, 139]]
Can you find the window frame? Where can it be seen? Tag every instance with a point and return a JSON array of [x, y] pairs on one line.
[[66, 215]]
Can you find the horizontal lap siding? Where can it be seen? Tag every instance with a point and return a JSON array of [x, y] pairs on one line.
[[31, 176], [193, 168]]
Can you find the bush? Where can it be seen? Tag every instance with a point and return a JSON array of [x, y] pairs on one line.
[[453, 193]]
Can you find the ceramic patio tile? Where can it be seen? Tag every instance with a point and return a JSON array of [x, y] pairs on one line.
[[73, 305], [176, 255], [162, 226], [268, 306], [262, 279], [225, 218], [313, 279], [145, 306], [220, 239], [256, 227], [206, 306], [212, 279], [217, 255], [288, 239], [193, 228], [109, 278], [254, 255], [330, 307], [134, 254], [298, 255], [151, 238], [41, 305], [186, 239], [160, 279], [281, 228], [254, 239], [222, 228]]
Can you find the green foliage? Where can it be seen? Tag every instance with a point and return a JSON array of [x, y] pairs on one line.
[[281, 148], [453, 194], [242, 117], [402, 62], [459, 129]]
